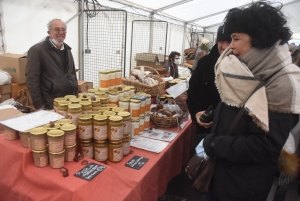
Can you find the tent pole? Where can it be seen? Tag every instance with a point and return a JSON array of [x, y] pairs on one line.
[[81, 22], [183, 43], [151, 32]]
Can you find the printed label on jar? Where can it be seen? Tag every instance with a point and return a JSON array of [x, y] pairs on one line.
[[118, 154], [86, 111], [127, 127], [56, 146], [40, 144], [141, 128], [63, 113], [58, 162], [70, 156], [74, 118], [126, 148], [101, 154], [112, 82], [136, 131], [147, 124], [147, 108], [116, 132], [118, 81], [85, 132], [43, 161], [95, 108], [135, 113], [104, 83], [142, 110], [70, 139], [100, 132], [88, 151]]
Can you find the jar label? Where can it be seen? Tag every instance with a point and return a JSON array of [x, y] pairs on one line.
[[112, 82], [104, 83], [118, 81], [142, 128], [147, 107], [95, 108], [100, 132], [43, 161], [112, 102], [116, 132], [74, 118], [58, 162], [126, 148], [63, 113], [135, 113], [85, 131], [101, 154], [56, 146], [136, 131], [86, 111], [118, 154], [40, 144], [70, 139], [127, 127], [147, 124], [88, 151], [70, 155]]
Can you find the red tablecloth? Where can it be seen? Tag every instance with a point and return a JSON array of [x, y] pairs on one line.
[[21, 180]]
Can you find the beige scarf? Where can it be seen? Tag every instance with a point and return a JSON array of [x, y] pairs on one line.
[[237, 79]]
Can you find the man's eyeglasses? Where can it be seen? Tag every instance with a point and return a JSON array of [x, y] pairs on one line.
[[58, 29]]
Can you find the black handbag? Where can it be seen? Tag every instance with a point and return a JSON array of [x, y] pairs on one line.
[[201, 171]]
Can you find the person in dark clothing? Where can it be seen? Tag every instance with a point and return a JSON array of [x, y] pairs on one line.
[[50, 70], [202, 90], [246, 160], [172, 65]]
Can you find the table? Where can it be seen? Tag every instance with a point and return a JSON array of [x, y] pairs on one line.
[[21, 180]]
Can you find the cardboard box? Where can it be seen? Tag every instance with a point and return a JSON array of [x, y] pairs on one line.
[[5, 89], [84, 85], [4, 97], [150, 59], [15, 88], [15, 65]]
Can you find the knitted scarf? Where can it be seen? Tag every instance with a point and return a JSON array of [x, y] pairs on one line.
[[236, 79]]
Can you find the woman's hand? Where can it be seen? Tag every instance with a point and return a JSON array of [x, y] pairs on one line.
[[205, 125]]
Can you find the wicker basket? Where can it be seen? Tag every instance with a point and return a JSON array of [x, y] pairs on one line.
[[153, 90], [168, 120]]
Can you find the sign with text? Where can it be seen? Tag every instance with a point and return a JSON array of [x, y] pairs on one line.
[[137, 162], [90, 171]]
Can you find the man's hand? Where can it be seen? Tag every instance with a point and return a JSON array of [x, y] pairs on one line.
[[205, 125]]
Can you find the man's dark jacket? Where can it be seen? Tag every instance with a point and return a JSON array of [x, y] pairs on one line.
[[45, 77], [202, 90]]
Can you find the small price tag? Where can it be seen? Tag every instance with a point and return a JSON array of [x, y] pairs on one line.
[[136, 162]]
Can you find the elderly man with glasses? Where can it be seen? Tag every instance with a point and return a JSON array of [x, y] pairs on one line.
[[50, 70]]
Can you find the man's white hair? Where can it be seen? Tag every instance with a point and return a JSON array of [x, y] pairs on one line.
[[50, 22]]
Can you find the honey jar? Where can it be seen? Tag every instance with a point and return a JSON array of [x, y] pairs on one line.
[[68, 97], [56, 140], [142, 125], [70, 152], [126, 145], [117, 109], [100, 127], [115, 151], [126, 122], [112, 77], [51, 127], [62, 108], [55, 103], [40, 158], [118, 81], [143, 108], [104, 80], [70, 134], [103, 100], [25, 138], [135, 106], [148, 103], [131, 90], [63, 121], [124, 103], [74, 100], [85, 127], [87, 148], [115, 128], [109, 113], [113, 97], [147, 122], [101, 150], [38, 139], [10, 134], [86, 106], [74, 110], [96, 104], [135, 128], [57, 159]]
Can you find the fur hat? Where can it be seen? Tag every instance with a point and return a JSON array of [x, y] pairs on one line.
[[221, 35]]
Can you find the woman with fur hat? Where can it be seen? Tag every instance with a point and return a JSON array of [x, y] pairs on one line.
[[246, 161]]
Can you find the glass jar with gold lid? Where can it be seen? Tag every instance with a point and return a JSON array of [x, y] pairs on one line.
[[147, 122], [25, 138], [103, 100], [108, 113], [74, 110], [38, 138], [56, 140], [40, 158], [85, 127], [135, 106], [101, 150], [124, 103], [112, 81], [104, 79], [113, 97], [96, 104], [132, 90], [111, 106], [70, 134], [115, 151], [135, 128], [87, 148], [117, 109], [142, 125], [118, 79], [51, 126], [126, 122], [126, 91], [148, 103], [70, 152], [115, 128], [86, 106], [68, 97], [56, 101], [99, 93], [94, 113], [57, 159], [103, 109], [126, 145], [62, 108], [74, 100], [100, 127], [63, 121]]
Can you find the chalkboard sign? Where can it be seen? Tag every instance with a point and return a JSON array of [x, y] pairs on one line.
[[137, 162], [90, 171]]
